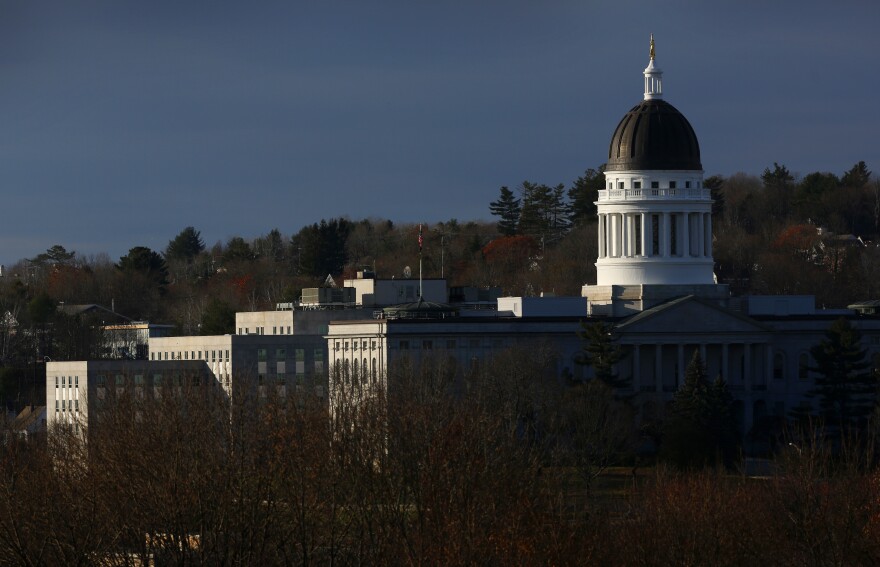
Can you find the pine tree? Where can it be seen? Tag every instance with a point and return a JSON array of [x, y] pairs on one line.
[[583, 195], [700, 430], [536, 201], [857, 177], [185, 246], [600, 353], [508, 209], [845, 385]]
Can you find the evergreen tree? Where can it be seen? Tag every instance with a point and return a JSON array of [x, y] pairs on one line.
[[845, 385], [147, 263], [508, 210], [857, 177], [57, 254], [583, 195], [714, 184], [185, 246], [778, 184], [534, 219], [600, 353], [700, 430]]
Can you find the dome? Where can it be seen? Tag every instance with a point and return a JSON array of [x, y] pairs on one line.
[[654, 135]]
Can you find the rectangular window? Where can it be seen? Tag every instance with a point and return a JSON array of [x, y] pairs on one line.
[[64, 380], [280, 353], [288, 330], [637, 184], [319, 354], [687, 184], [101, 380], [655, 185], [56, 381], [120, 380], [300, 354], [261, 355], [672, 184], [157, 379], [427, 345], [227, 355], [138, 379], [274, 330], [76, 384]]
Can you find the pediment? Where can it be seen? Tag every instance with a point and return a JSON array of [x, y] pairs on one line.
[[690, 315]]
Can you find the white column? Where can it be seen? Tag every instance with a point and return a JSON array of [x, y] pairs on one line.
[[612, 235], [665, 235], [701, 236], [709, 235], [685, 250], [647, 235], [618, 235], [601, 236], [624, 235]]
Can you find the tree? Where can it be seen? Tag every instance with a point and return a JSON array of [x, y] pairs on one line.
[[322, 247], [142, 261], [715, 185], [536, 199], [185, 246], [55, 255], [700, 430], [857, 176], [846, 388], [584, 193], [508, 210], [600, 353], [218, 318], [778, 184]]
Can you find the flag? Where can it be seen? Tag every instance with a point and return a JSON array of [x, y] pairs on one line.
[[420, 239]]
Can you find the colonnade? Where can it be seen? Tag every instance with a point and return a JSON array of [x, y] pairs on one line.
[[645, 234]]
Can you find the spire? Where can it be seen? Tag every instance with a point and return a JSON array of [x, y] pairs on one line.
[[653, 81]]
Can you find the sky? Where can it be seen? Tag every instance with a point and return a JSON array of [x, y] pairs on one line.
[[123, 122]]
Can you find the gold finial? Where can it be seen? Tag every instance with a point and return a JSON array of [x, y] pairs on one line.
[[652, 47]]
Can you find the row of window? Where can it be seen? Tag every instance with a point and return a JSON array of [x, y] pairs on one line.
[[72, 382], [191, 355], [654, 185], [276, 330], [67, 405], [281, 354]]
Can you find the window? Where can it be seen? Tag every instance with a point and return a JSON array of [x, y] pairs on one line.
[[101, 380], [261, 355], [300, 354], [672, 184], [655, 185], [138, 379], [157, 379], [76, 385], [288, 330], [637, 184], [427, 345], [319, 353], [64, 380], [687, 184], [120, 380], [404, 345], [56, 381], [620, 184], [275, 330], [280, 353], [227, 355]]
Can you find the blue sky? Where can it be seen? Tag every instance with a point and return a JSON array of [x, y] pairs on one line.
[[123, 122]]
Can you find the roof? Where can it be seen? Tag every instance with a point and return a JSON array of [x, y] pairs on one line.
[[654, 135], [73, 310]]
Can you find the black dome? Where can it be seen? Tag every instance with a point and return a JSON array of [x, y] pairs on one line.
[[654, 135]]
